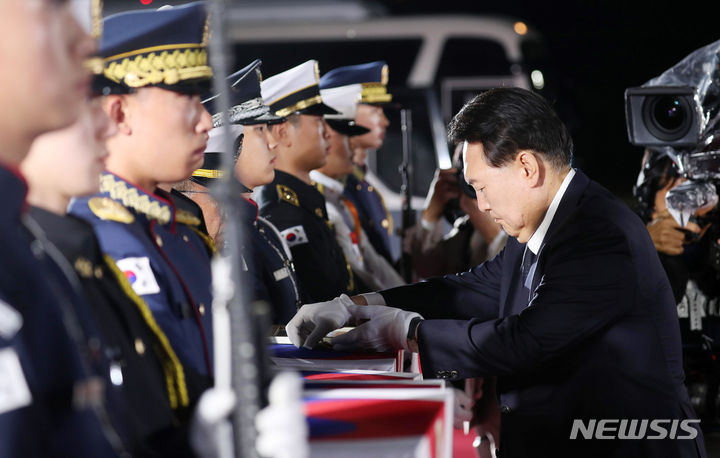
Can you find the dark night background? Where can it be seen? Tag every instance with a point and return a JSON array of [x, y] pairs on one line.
[[597, 49]]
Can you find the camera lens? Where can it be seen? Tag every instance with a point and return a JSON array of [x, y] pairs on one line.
[[667, 117]]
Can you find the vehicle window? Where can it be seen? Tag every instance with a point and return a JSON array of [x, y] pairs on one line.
[[389, 157], [280, 56]]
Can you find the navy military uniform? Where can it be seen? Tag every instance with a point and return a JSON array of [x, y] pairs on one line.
[[141, 359], [161, 249], [375, 218], [51, 366], [267, 258], [298, 210], [160, 252]]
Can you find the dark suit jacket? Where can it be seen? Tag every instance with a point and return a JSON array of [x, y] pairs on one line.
[[597, 337]]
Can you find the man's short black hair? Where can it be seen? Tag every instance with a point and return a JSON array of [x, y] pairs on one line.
[[507, 120]]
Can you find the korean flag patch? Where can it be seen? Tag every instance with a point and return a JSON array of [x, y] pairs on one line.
[[140, 275], [294, 236]]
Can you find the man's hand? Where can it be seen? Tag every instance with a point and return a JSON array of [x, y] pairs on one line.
[[313, 321], [386, 329], [666, 234], [443, 188]]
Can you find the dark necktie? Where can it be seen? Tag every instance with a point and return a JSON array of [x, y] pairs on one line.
[[527, 268]]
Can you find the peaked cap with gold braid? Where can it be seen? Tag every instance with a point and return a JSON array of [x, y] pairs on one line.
[[295, 91], [165, 48], [373, 77]]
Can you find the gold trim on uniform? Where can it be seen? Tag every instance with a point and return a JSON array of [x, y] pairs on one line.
[[168, 64], [209, 242], [375, 93], [287, 194], [208, 173], [301, 105], [107, 209], [84, 267], [174, 374], [319, 212], [130, 197], [187, 218]]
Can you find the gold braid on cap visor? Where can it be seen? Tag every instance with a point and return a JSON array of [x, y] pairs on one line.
[[375, 93], [166, 64]]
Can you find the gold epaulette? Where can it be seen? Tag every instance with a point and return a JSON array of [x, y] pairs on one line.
[[107, 209], [287, 194], [187, 218]]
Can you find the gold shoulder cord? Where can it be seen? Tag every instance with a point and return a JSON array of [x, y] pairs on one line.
[[174, 373], [206, 239]]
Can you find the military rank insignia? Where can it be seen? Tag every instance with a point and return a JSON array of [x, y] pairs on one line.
[[294, 236]]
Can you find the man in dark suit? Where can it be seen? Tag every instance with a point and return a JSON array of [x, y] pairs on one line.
[[575, 315]]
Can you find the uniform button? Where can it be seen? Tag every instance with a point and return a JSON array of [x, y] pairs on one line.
[[158, 240], [370, 188], [358, 187], [505, 409], [139, 346], [385, 223], [98, 272], [185, 238], [201, 308]]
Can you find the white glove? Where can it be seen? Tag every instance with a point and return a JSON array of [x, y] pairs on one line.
[[462, 409], [213, 407], [386, 329], [313, 321], [281, 426]]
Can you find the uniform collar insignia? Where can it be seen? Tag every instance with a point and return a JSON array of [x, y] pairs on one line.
[[136, 199]]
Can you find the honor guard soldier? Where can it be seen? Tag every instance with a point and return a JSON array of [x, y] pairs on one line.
[[267, 256], [374, 271], [374, 216], [52, 400], [291, 202], [156, 64], [67, 163]]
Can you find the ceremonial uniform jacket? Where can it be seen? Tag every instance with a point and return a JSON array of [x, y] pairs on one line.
[[374, 216], [270, 265], [374, 271], [591, 335], [298, 211], [51, 368], [142, 362], [164, 256]]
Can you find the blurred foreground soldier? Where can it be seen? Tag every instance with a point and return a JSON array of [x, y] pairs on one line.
[[52, 395], [370, 269], [267, 257], [162, 132], [291, 202], [67, 163], [374, 216], [575, 315]]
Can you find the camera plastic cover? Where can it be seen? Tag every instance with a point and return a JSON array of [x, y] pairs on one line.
[[685, 199]]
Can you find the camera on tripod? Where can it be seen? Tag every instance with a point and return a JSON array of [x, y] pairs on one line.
[[662, 116]]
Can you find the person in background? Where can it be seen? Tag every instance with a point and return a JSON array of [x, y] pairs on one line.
[[374, 215], [67, 163], [162, 132], [54, 396], [473, 239], [266, 255], [372, 270], [290, 201]]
